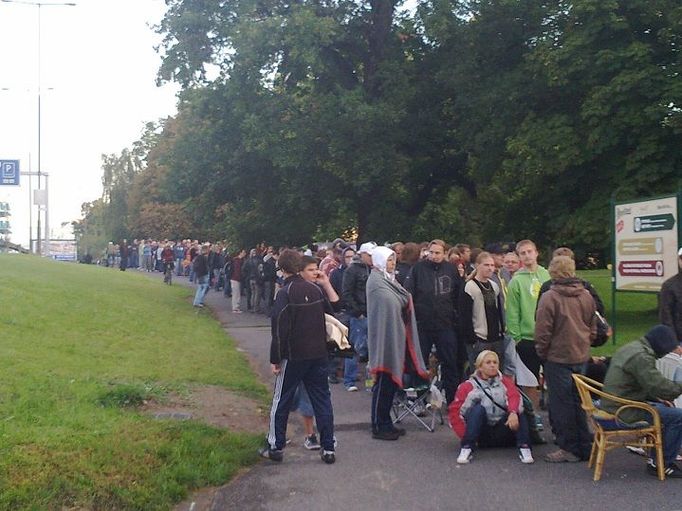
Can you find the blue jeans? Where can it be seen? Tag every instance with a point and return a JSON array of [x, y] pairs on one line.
[[671, 419], [498, 435], [202, 288], [178, 267], [357, 335]]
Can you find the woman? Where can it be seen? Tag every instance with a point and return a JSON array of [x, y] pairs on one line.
[[392, 340], [563, 332], [488, 411]]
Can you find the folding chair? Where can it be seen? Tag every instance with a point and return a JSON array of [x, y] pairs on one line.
[[423, 400]]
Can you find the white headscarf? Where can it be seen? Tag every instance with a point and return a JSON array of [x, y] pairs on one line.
[[380, 256]]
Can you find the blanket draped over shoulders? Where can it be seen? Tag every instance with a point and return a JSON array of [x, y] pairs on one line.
[[392, 337]]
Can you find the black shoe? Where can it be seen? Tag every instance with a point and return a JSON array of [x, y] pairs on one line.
[[671, 470], [386, 435], [271, 454], [363, 359], [328, 457], [333, 380], [400, 431]]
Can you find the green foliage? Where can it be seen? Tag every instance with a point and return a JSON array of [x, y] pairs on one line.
[[471, 119], [89, 337]]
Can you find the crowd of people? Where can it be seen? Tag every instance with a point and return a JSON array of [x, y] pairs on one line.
[[500, 326]]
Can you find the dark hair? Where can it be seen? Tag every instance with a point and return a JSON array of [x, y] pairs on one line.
[[307, 260], [289, 261], [410, 254]]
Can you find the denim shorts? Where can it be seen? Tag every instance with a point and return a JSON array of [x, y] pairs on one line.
[[302, 402]]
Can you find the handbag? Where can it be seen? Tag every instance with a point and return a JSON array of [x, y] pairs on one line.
[[603, 330]]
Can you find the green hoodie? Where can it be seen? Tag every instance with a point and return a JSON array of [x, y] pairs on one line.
[[522, 298]]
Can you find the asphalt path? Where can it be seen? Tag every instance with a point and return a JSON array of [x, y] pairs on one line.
[[418, 471]]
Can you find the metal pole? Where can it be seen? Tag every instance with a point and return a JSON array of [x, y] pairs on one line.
[[47, 216], [39, 246], [613, 268], [30, 206]]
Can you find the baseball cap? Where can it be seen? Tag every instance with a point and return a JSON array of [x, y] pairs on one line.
[[367, 247]]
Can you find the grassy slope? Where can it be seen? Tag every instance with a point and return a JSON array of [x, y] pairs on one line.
[[636, 313], [68, 335]]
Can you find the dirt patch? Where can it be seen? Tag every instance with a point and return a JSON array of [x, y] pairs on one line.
[[213, 405]]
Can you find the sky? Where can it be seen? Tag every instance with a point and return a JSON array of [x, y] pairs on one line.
[[97, 80]]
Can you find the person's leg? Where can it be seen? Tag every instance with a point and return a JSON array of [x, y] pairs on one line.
[[382, 401], [350, 371], [526, 351], [286, 383], [671, 419], [358, 336], [523, 433], [568, 418], [236, 295], [425, 343], [475, 419], [227, 290], [446, 351], [315, 381]]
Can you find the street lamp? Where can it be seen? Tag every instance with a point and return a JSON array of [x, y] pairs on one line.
[[41, 199]]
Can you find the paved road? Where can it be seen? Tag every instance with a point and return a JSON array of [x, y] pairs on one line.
[[418, 472]]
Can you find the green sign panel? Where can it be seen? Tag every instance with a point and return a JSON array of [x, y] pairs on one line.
[[649, 223]]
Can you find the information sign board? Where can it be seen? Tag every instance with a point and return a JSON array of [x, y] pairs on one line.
[[9, 172], [646, 240]]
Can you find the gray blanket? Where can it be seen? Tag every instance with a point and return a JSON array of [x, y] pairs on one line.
[[391, 328]]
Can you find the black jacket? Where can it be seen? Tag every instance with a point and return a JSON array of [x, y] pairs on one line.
[[595, 296], [200, 265], [435, 289], [298, 325], [670, 304], [354, 284]]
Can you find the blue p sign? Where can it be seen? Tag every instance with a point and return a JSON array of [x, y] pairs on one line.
[[9, 172]]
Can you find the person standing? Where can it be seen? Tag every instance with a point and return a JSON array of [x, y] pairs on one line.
[[670, 301], [200, 267], [435, 285], [236, 281], [123, 248], [298, 353], [520, 305], [563, 333], [355, 302], [393, 340]]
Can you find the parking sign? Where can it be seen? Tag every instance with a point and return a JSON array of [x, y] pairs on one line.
[[9, 172]]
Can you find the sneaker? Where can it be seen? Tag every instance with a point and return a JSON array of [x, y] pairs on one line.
[[561, 456], [352, 388], [636, 450], [271, 454], [464, 456], [328, 457], [236, 311], [538, 423], [311, 443], [386, 435], [525, 455], [671, 470]]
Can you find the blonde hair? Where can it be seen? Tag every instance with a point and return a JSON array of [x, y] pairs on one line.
[[482, 356], [562, 267]]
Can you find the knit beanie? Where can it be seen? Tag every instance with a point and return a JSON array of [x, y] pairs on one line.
[[662, 340]]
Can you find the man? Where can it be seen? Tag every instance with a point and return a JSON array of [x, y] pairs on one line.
[[521, 302], [465, 256], [435, 285], [298, 353], [200, 267], [355, 301], [236, 281], [633, 375], [670, 301], [511, 264]]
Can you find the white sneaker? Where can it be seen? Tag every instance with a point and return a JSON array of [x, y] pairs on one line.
[[352, 388], [525, 455], [464, 456]]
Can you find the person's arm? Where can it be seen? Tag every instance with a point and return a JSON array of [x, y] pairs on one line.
[[280, 327], [466, 320], [455, 409], [544, 326], [512, 309], [652, 380], [348, 293], [595, 296], [666, 306]]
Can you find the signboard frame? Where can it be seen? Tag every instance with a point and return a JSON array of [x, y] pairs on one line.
[[614, 246], [15, 178]]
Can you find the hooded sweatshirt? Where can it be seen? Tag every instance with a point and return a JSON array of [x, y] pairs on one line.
[[522, 297], [564, 321]]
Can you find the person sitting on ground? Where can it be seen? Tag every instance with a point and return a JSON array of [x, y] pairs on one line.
[[632, 374], [488, 411]]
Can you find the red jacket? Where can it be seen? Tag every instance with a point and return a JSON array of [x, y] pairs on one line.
[[513, 401]]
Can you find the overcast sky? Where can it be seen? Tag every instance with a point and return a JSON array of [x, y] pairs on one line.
[[98, 89]]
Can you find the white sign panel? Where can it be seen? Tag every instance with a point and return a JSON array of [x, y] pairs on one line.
[[646, 239], [63, 250]]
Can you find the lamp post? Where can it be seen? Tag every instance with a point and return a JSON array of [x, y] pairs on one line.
[[39, 196]]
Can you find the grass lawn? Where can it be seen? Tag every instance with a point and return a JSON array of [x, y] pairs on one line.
[[76, 341], [636, 312]]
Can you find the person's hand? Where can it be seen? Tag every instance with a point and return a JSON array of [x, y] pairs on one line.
[[666, 403], [275, 368], [322, 278], [512, 421]]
